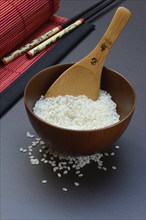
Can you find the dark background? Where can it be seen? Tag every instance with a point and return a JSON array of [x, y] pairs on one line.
[[115, 194]]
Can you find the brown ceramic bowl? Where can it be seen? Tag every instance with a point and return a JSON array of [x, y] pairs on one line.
[[81, 142]]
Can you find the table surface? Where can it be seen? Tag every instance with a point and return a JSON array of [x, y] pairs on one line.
[[112, 194]]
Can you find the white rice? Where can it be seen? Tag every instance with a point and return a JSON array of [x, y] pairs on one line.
[[78, 113], [63, 164]]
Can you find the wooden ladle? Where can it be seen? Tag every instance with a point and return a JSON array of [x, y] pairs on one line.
[[83, 78]]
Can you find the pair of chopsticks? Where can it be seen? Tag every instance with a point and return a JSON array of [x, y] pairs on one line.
[[37, 45]]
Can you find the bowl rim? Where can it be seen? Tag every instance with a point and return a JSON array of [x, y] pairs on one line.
[[80, 130]]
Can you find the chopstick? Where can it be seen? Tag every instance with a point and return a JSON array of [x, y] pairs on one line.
[[36, 50], [82, 14], [57, 32]]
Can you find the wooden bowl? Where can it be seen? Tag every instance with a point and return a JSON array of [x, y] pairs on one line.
[[81, 142]]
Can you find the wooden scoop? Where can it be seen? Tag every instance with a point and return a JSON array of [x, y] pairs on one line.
[[83, 78]]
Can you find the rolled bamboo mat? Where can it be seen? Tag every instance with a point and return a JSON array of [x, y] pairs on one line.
[[19, 18], [22, 21]]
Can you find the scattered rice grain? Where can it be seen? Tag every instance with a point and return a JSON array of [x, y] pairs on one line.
[[78, 171], [80, 175], [62, 164], [64, 189], [29, 147], [112, 154], [65, 171], [44, 181], [76, 184], [42, 159], [34, 144], [34, 161], [59, 174], [117, 146], [29, 135], [114, 167]]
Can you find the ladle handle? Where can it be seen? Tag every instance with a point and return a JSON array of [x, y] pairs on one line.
[[119, 21], [99, 53]]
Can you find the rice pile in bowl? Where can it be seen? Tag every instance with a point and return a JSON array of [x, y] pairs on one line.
[[78, 113]]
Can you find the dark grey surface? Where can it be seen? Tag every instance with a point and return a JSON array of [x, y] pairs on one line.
[[118, 194]]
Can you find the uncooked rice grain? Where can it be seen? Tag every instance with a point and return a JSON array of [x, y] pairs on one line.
[[64, 189], [78, 112], [63, 164], [44, 181], [76, 184]]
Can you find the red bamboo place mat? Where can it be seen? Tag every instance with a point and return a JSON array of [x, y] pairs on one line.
[[13, 70], [19, 18], [32, 24], [21, 22]]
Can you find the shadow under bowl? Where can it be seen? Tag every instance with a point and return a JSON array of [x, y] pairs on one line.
[[80, 142]]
